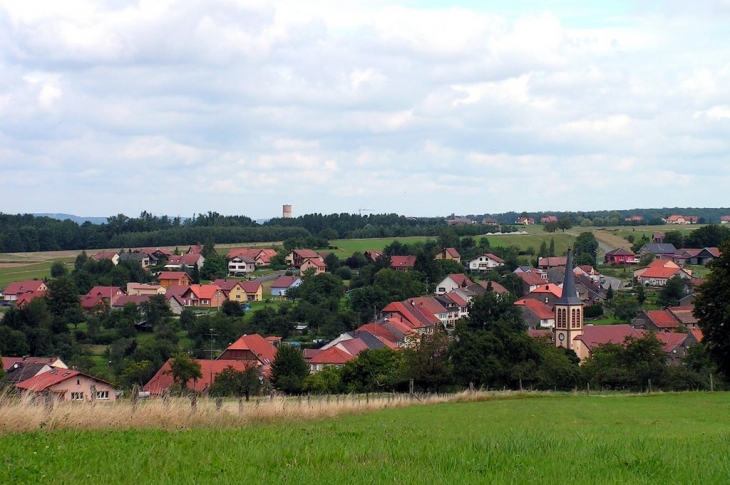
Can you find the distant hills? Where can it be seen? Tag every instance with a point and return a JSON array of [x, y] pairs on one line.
[[77, 219]]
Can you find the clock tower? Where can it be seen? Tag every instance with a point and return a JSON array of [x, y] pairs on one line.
[[568, 310]]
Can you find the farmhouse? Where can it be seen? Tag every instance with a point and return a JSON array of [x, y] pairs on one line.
[[485, 262], [174, 278], [620, 256], [451, 282], [16, 289], [450, 254], [402, 263], [295, 258], [250, 348]]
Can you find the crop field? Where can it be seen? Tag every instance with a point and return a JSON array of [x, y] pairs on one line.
[[10, 272], [662, 438]]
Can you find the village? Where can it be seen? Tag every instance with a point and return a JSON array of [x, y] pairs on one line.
[[555, 299]]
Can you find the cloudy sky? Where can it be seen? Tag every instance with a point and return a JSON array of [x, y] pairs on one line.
[[414, 107]]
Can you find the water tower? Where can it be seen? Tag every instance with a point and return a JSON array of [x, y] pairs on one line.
[[287, 211]]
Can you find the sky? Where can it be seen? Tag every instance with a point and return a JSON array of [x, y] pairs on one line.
[[422, 108]]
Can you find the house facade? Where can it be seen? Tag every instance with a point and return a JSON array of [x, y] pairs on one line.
[[241, 265], [69, 385], [485, 262]]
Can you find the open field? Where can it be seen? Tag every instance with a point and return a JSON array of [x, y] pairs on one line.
[[666, 438], [24, 271]]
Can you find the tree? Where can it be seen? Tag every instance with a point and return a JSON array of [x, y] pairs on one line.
[[625, 307], [238, 383], [62, 295], [712, 309], [372, 370], [58, 268], [182, 369], [551, 226], [232, 308], [640, 295], [156, 310], [609, 293], [551, 249], [585, 249], [427, 362], [289, 370], [672, 291], [214, 267], [565, 223]]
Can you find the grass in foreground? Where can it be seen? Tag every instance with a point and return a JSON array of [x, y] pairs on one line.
[[619, 439]]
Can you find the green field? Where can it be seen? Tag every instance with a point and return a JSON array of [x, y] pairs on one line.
[[670, 438], [24, 272]]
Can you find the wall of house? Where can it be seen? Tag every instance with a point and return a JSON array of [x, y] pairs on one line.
[[82, 385]]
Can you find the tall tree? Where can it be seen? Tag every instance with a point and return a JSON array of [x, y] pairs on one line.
[[289, 369], [182, 369], [712, 309]]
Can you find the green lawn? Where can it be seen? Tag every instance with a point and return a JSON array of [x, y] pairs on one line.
[[26, 272], [657, 439]]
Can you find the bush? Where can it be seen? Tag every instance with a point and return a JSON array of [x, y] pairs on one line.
[[593, 311], [345, 273]]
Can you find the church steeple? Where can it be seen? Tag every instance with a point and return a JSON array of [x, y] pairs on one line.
[[568, 310]]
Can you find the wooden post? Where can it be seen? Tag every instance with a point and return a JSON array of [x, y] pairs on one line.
[[712, 383], [240, 405], [328, 398], [135, 397], [218, 404], [92, 394], [166, 397], [471, 388], [649, 388], [193, 401], [309, 399], [588, 389], [410, 388], [520, 384]]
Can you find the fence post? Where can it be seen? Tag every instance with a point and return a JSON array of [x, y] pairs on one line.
[[218, 404], [471, 388], [712, 383], [135, 397], [240, 405], [649, 388], [92, 394], [588, 389], [410, 388], [193, 401]]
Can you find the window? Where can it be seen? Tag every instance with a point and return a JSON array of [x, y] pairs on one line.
[[77, 396], [238, 297], [102, 394]]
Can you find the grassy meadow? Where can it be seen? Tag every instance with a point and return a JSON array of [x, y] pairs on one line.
[[662, 438]]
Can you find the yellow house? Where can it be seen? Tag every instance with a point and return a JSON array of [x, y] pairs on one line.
[[449, 254], [241, 291], [254, 290]]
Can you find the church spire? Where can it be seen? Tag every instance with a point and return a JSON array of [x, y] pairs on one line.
[[569, 296]]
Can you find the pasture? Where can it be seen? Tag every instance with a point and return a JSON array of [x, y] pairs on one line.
[[544, 438]]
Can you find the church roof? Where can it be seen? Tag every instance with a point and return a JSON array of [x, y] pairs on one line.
[[570, 294]]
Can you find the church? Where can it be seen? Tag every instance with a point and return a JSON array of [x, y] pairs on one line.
[[570, 329]]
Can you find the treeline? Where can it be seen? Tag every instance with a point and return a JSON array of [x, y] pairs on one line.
[[706, 215]]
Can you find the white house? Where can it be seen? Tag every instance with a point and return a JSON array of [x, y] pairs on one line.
[[241, 265], [485, 262]]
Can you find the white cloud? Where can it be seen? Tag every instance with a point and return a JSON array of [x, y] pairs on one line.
[[338, 106]]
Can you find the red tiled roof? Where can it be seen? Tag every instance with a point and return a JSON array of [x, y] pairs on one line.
[[104, 255], [377, 330], [8, 362], [540, 333], [456, 298], [662, 318], [684, 314], [697, 333], [189, 259], [171, 275], [306, 253], [461, 279], [250, 286], [136, 299], [51, 378], [593, 336], [226, 285], [284, 281], [541, 310], [550, 288], [28, 296], [659, 273], [261, 347], [532, 279], [163, 379], [176, 291], [494, 258], [354, 346], [206, 292], [315, 261], [402, 261], [453, 253], [553, 261], [331, 356], [427, 304], [671, 340], [18, 287], [104, 291]]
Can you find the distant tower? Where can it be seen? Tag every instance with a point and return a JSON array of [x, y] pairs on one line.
[[287, 211], [568, 310]]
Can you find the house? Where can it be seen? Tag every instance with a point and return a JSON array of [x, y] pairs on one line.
[[187, 260], [21, 371], [145, 260], [431, 306], [263, 258], [125, 299], [283, 283], [402, 263], [531, 281], [546, 219], [490, 221], [16, 289], [209, 369], [372, 256], [660, 251], [448, 254], [145, 289], [659, 272], [537, 315], [316, 264], [548, 294], [333, 356], [174, 278], [250, 348], [724, 219], [482, 287], [155, 254], [620, 256], [593, 336], [684, 315], [589, 291], [8, 362], [485, 262], [658, 237], [232, 290], [551, 262], [525, 221], [587, 271], [69, 385], [679, 219], [241, 265], [675, 345], [295, 258], [197, 249], [453, 281], [634, 219], [177, 305], [99, 295], [696, 256], [656, 320], [112, 256], [206, 296], [253, 289]]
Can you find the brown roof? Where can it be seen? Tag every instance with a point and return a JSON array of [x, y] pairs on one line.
[[541, 310], [51, 378], [661, 318], [284, 281], [204, 291], [595, 335], [402, 261], [18, 287], [331, 356], [171, 275], [684, 314], [163, 378]]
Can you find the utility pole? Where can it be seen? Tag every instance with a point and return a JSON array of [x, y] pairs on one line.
[[211, 334]]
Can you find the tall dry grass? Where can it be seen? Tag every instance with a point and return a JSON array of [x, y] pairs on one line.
[[21, 414]]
